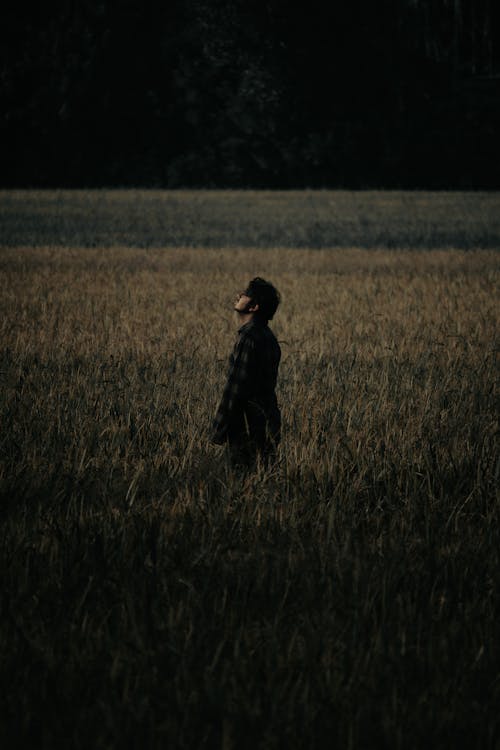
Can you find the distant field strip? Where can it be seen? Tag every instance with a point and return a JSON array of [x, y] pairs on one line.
[[299, 219]]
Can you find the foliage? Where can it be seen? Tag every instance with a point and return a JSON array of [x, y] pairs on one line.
[[264, 94]]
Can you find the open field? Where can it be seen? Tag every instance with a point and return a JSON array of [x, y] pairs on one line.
[[150, 596], [217, 219]]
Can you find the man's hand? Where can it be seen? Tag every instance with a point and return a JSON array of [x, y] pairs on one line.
[[217, 439]]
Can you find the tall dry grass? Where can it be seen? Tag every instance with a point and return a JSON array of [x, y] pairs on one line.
[[150, 596]]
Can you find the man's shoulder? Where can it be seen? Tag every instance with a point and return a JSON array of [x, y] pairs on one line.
[[257, 334]]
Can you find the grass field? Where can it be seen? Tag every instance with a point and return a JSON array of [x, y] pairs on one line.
[[151, 597]]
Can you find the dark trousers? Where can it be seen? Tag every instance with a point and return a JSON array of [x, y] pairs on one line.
[[246, 454]]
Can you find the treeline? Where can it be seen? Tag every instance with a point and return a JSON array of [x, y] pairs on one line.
[[262, 93]]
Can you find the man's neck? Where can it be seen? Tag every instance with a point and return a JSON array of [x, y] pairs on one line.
[[244, 319]]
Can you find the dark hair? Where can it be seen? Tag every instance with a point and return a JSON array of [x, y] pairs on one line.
[[265, 295]]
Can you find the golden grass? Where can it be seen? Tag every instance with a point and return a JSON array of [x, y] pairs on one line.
[[153, 596]]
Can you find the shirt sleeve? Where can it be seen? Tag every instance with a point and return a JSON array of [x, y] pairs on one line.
[[236, 391]]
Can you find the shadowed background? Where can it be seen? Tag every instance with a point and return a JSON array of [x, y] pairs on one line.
[[195, 93]]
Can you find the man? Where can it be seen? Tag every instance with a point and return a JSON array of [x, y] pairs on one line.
[[248, 419]]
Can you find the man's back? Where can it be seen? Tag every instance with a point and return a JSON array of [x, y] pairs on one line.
[[261, 410]]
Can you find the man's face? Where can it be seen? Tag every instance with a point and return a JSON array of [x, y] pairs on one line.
[[241, 302]]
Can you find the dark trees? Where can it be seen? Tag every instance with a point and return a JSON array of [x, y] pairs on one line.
[[251, 93]]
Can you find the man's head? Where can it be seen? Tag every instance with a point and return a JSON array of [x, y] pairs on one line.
[[260, 299]]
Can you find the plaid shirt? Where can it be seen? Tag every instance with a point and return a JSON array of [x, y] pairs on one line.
[[248, 408]]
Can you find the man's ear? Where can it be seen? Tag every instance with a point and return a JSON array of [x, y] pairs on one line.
[[254, 308]]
